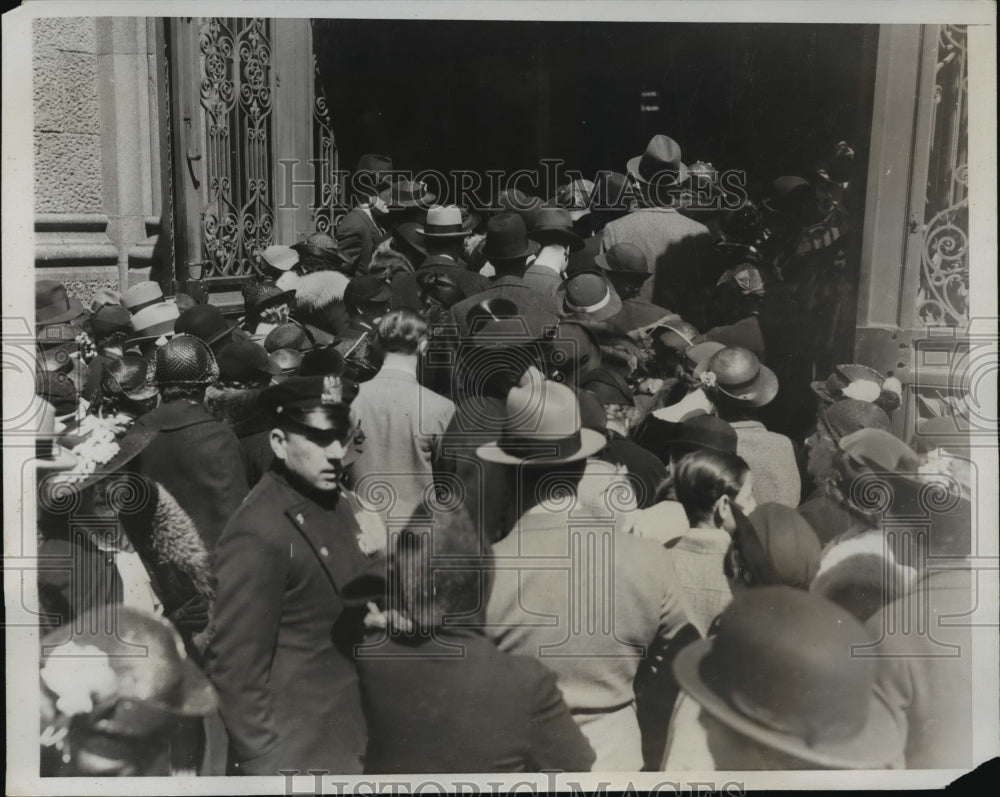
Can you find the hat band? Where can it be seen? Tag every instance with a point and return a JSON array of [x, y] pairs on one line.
[[443, 229], [540, 447], [56, 308], [735, 386], [589, 308], [135, 308]]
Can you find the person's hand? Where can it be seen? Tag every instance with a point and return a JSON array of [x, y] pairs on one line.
[[192, 616], [391, 620]]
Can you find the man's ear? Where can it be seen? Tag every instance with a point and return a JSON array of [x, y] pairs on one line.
[[278, 441]]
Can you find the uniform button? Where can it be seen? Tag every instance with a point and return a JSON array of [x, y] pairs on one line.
[[299, 518], [324, 551]]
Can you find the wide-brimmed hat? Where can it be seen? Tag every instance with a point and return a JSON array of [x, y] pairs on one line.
[[446, 221], [321, 246], [141, 295], [507, 238], [124, 448], [259, 295], [781, 671], [153, 322], [185, 360], [204, 321], [279, 258], [588, 295], [107, 320], [129, 376], [127, 696], [244, 360], [542, 426], [53, 304], [407, 194], [554, 225], [624, 260], [660, 162], [737, 373]]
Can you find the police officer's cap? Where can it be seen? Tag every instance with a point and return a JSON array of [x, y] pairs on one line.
[[319, 402]]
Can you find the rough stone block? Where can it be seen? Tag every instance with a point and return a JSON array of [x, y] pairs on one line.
[[47, 88], [77, 34], [67, 173], [80, 100]]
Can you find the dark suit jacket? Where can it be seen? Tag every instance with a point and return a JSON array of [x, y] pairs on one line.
[[406, 291], [645, 471], [457, 704], [281, 655], [357, 236], [199, 460]]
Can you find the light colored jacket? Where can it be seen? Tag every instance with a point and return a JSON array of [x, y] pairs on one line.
[[772, 462]]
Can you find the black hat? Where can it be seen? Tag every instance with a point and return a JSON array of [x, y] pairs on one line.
[[185, 360], [624, 260], [324, 361], [705, 432], [321, 246], [514, 201], [244, 360], [128, 377], [555, 225], [205, 322], [317, 402], [407, 194], [53, 304], [366, 288], [109, 319], [444, 288], [259, 294], [289, 335], [660, 161], [377, 165], [507, 238]]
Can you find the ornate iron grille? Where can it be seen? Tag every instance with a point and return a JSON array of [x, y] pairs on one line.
[[238, 216], [325, 163], [943, 296]]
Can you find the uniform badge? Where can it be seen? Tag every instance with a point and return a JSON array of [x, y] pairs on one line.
[[333, 390]]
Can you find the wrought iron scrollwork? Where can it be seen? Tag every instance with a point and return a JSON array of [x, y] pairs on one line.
[[943, 298], [238, 216], [325, 161]]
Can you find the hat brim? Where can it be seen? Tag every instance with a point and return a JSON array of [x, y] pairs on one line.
[[601, 260], [559, 235], [312, 250], [133, 443], [683, 173], [823, 392], [531, 249], [761, 392], [146, 338], [611, 309], [878, 743], [425, 201], [75, 310], [221, 334], [590, 443]]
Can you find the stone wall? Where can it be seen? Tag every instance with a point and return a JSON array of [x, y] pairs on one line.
[[96, 171]]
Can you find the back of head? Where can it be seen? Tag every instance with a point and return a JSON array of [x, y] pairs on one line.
[[401, 332], [702, 477]]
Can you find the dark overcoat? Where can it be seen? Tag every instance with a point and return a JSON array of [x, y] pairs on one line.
[[427, 703], [200, 462], [281, 657], [357, 236]]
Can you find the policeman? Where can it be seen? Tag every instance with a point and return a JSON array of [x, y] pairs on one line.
[[288, 687]]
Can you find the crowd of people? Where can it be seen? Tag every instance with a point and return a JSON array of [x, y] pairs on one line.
[[564, 483]]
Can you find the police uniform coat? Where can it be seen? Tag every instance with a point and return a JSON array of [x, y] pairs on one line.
[[281, 657]]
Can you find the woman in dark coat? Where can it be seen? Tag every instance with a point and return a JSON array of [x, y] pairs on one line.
[[441, 698]]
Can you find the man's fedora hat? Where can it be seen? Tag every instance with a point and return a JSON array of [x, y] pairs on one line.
[[142, 295], [588, 295], [53, 304], [542, 426], [737, 373], [321, 246], [244, 360], [507, 238], [409, 235], [781, 672], [554, 225], [446, 221], [185, 360], [624, 260], [104, 297], [660, 162], [128, 377], [155, 321], [407, 194], [107, 320], [204, 321], [380, 166]]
